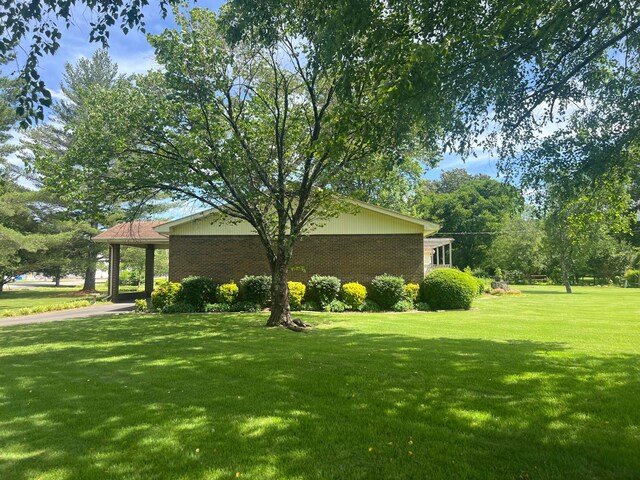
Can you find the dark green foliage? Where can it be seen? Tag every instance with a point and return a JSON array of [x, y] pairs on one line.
[[323, 289], [633, 278], [197, 291], [334, 306], [387, 290], [256, 289], [449, 289], [217, 307], [370, 306], [178, 307], [422, 306], [245, 307], [310, 307], [402, 306], [164, 294]]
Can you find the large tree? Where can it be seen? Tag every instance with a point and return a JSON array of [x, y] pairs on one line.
[[259, 133]]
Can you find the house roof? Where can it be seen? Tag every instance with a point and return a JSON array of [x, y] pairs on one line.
[[437, 242], [132, 233], [430, 227]]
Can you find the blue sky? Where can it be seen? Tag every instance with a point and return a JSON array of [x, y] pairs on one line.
[[133, 54]]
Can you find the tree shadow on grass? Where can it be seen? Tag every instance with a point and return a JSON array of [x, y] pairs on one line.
[[209, 396]]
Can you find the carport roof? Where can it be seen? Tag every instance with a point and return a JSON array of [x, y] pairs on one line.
[[133, 233]]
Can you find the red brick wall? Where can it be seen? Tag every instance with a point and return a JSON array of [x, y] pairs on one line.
[[349, 257]]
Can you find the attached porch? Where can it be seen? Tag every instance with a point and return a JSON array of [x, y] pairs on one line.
[[137, 235], [438, 253]]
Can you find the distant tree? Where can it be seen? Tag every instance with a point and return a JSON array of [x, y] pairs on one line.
[[470, 209], [519, 246], [44, 151]]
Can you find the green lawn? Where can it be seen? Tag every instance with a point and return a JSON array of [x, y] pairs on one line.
[[40, 296], [535, 387], [15, 299]]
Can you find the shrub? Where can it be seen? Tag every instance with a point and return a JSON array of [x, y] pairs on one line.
[[296, 294], [129, 278], [447, 288], [217, 307], [245, 307], [411, 292], [164, 294], [178, 307], [310, 306], [256, 289], [479, 285], [369, 306], [387, 290], [498, 291], [402, 306], [334, 306], [632, 277], [141, 305], [353, 294], [197, 291], [422, 306], [227, 293], [323, 289]]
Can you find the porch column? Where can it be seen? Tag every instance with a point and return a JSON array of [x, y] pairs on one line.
[[450, 255], [114, 271], [148, 270], [437, 255]]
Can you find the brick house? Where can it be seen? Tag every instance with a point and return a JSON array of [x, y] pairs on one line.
[[356, 245]]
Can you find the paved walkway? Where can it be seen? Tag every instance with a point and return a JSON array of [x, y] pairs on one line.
[[94, 311]]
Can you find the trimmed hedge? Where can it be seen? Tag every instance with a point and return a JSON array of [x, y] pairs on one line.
[[256, 289], [353, 295], [387, 290], [165, 293], [449, 289], [296, 294], [323, 289], [197, 291]]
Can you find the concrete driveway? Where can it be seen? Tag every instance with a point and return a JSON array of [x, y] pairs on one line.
[[93, 311]]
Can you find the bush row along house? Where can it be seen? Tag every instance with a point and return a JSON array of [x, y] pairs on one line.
[[356, 245]]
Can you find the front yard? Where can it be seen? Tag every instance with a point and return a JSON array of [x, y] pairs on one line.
[[535, 387]]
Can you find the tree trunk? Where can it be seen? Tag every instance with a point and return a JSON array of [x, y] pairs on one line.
[[90, 271], [57, 280], [565, 277], [280, 308]]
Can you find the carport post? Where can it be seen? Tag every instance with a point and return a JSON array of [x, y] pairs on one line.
[[114, 271], [149, 269]]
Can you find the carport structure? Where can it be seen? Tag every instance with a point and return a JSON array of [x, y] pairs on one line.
[[131, 234]]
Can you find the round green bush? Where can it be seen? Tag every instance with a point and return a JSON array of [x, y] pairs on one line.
[[197, 291], [256, 289], [387, 290], [449, 289], [323, 289], [353, 294], [402, 306]]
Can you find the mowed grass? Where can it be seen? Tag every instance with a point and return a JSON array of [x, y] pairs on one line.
[[535, 387], [35, 297]]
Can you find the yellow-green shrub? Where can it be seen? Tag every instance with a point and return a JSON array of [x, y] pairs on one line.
[[353, 295], [164, 294], [296, 294], [411, 292], [227, 293]]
